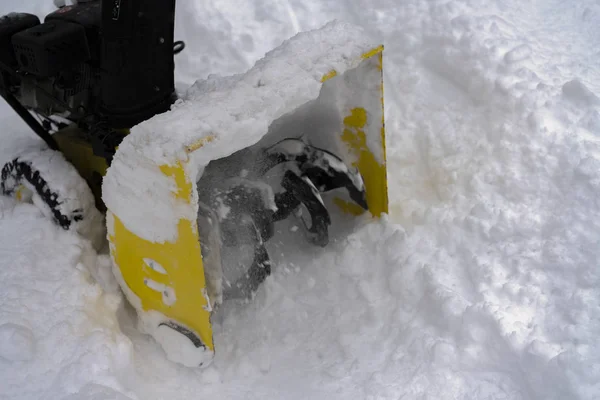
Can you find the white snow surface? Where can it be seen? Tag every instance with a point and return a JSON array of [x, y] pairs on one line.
[[483, 283]]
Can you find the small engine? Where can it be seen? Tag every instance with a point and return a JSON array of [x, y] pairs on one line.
[[108, 63]]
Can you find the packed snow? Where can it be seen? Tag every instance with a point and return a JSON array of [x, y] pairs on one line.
[[483, 282]]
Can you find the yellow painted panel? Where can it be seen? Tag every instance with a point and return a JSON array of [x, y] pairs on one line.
[[329, 75], [355, 134], [182, 261], [200, 143], [374, 174], [184, 186], [77, 149], [372, 52]]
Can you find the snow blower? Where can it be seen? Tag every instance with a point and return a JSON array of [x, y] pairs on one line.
[[185, 180]]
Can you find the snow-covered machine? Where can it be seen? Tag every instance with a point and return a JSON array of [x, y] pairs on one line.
[[186, 180]]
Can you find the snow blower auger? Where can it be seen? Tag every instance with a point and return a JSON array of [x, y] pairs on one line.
[[186, 181]]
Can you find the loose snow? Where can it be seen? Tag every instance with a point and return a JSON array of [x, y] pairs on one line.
[[17, 342], [483, 283]]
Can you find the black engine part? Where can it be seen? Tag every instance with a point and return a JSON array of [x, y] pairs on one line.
[[107, 64], [47, 49], [10, 25], [137, 65]]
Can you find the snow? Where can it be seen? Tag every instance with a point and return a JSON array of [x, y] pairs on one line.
[[179, 348], [577, 92], [75, 198], [59, 326], [483, 283], [17, 342]]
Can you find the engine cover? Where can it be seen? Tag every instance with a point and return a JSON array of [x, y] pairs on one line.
[[9, 25], [46, 49], [87, 14]]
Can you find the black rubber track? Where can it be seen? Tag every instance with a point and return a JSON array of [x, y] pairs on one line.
[[22, 170]]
